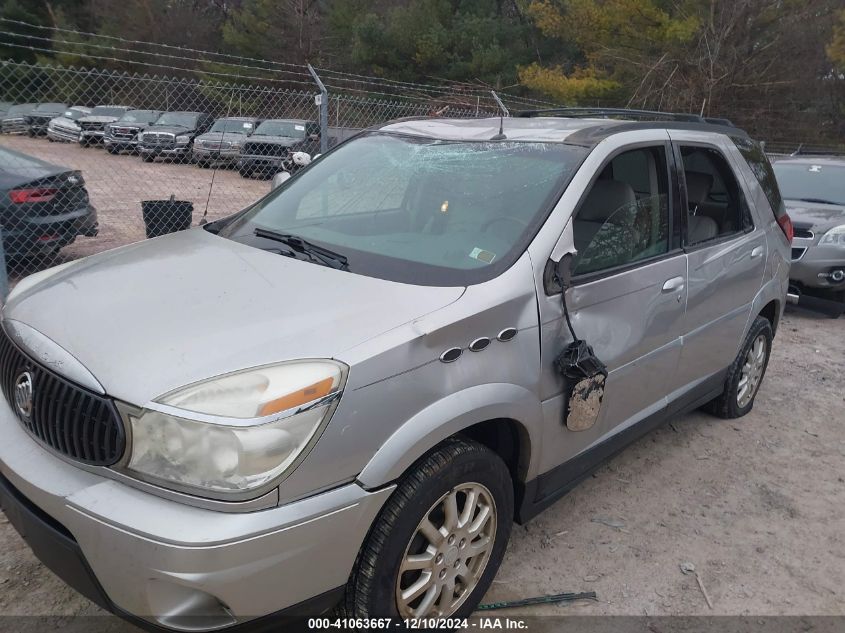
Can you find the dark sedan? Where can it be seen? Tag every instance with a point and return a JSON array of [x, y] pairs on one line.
[[42, 206]]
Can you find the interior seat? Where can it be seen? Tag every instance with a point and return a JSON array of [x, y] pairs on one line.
[[605, 198], [700, 225]]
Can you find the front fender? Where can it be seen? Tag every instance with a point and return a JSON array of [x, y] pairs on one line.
[[449, 416]]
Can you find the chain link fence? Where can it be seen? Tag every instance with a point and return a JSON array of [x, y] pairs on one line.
[[94, 159]]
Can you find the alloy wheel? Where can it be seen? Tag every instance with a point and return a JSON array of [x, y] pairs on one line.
[[752, 372], [447, 553]]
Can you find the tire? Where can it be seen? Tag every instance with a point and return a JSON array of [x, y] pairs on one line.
[[458, 468], [245, 173], [112, 150], [147, 158], [202, 164], [732, 403]]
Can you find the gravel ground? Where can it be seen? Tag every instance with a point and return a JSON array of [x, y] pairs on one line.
[[756, 505]]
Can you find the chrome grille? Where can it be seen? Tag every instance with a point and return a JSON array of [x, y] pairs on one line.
[[265, 149], [70, 420], [158, 139]]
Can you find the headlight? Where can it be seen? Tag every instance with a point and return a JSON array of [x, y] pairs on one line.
[[237, 432], [835, 236], [182, 139]]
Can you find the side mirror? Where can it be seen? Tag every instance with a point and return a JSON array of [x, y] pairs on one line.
[[563, 271], [279, 179]]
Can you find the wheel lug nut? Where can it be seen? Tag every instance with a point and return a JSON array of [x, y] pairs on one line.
[[463, 543], [457, 564], [442, 574], [451, 539], [439, 559]]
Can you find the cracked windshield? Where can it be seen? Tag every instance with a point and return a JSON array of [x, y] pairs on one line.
[[416, 209]]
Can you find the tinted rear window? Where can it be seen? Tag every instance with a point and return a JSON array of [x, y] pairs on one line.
[[760, 166]]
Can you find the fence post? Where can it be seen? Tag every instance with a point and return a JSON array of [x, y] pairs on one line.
[[323, 102], [4, 271]]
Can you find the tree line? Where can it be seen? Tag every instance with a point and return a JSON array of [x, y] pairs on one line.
[[776, 66]]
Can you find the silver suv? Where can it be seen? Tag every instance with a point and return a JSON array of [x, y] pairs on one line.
[[814, 190], [348, 392]]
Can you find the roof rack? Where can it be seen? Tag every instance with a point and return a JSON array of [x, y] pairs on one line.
[[643, 115]]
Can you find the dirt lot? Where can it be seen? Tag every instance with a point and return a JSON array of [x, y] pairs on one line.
[[756, 505]]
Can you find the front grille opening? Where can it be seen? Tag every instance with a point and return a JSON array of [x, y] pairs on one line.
[[72, 421]]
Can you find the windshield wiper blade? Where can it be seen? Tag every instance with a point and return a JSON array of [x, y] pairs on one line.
[[818, 201], [324, 255]]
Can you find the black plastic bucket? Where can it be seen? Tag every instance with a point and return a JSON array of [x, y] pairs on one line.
[[166, 216]]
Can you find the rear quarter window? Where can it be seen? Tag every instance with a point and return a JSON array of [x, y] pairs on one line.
[[762, 170]]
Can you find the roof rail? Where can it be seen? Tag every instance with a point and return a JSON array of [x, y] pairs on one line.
[[644, 115]]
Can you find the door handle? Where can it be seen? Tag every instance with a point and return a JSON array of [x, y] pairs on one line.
[[673, 285], [757, 252]]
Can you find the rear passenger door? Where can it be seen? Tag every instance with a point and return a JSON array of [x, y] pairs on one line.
[[726, 256]]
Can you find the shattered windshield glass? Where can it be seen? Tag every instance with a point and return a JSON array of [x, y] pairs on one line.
[[420, 210]]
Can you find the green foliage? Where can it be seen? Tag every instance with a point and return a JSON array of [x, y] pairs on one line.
[[458, 40]]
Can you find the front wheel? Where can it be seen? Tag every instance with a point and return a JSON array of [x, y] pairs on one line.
[[746, 373], [439, 540]]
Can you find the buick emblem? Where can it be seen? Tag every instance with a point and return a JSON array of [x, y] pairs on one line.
[[23, 394]]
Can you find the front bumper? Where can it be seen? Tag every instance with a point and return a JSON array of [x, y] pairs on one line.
[[179, 150], [91, 136], [120, 143], [175, 565], [814, 266], [226, 153]]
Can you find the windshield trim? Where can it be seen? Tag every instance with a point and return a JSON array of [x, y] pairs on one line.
[[410, 271]]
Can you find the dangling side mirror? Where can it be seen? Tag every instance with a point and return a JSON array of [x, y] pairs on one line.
[[280, 179], [563, 271]]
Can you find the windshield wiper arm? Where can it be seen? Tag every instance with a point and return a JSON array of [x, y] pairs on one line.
[[324, 255]]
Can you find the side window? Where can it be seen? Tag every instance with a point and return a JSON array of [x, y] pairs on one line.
[[716, 204], [760, 166], [624, 218]]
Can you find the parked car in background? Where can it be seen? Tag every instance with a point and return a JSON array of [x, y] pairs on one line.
[[94, 125], [42, 206], [271, 146], [40, 116], [122, 135], [4, 107], [813, 188], [223, 142], [65, 127], [14, 121], [172, 135], [348, 392]]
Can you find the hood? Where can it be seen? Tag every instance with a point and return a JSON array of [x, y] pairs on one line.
[[130, 126], [287, 141], [98, 119], [222, 136], [65, 122], [818, 217], [150, 317], [169, 129]]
